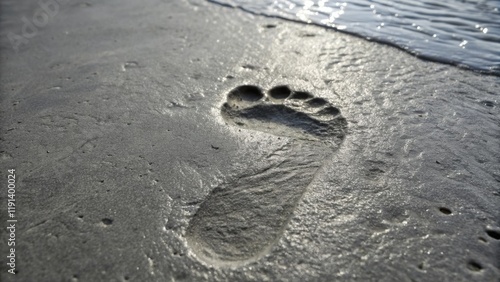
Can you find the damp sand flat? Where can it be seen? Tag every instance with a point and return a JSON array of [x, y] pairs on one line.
[[113, 116]]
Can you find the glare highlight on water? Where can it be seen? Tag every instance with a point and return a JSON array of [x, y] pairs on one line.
[[460, 32]]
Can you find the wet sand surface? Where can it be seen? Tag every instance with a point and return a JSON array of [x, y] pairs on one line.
[[140, 157]]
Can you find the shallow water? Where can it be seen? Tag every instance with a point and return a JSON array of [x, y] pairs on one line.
[[459, 32]]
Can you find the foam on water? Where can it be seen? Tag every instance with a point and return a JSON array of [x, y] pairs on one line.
[[465, 33]]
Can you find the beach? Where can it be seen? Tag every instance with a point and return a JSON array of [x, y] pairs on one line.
[[112, 115]]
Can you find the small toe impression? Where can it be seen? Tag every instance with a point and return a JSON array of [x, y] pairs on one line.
[[249, 93], [301, 95], [317, 102], [244, 95], [280, 92], [330, 111]]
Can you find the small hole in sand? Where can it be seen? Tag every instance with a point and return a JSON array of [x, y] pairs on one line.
[[474, 266], [488, 103], [493, 234], [107, 221], [445, 210]]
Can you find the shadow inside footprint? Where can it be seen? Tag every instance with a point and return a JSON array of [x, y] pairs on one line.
[[286, 113], [280, 92], [240, 220]]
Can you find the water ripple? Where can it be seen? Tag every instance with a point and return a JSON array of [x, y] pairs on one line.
[[465, 33]]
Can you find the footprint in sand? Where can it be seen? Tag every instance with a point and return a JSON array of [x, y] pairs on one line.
[[240, 221]]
